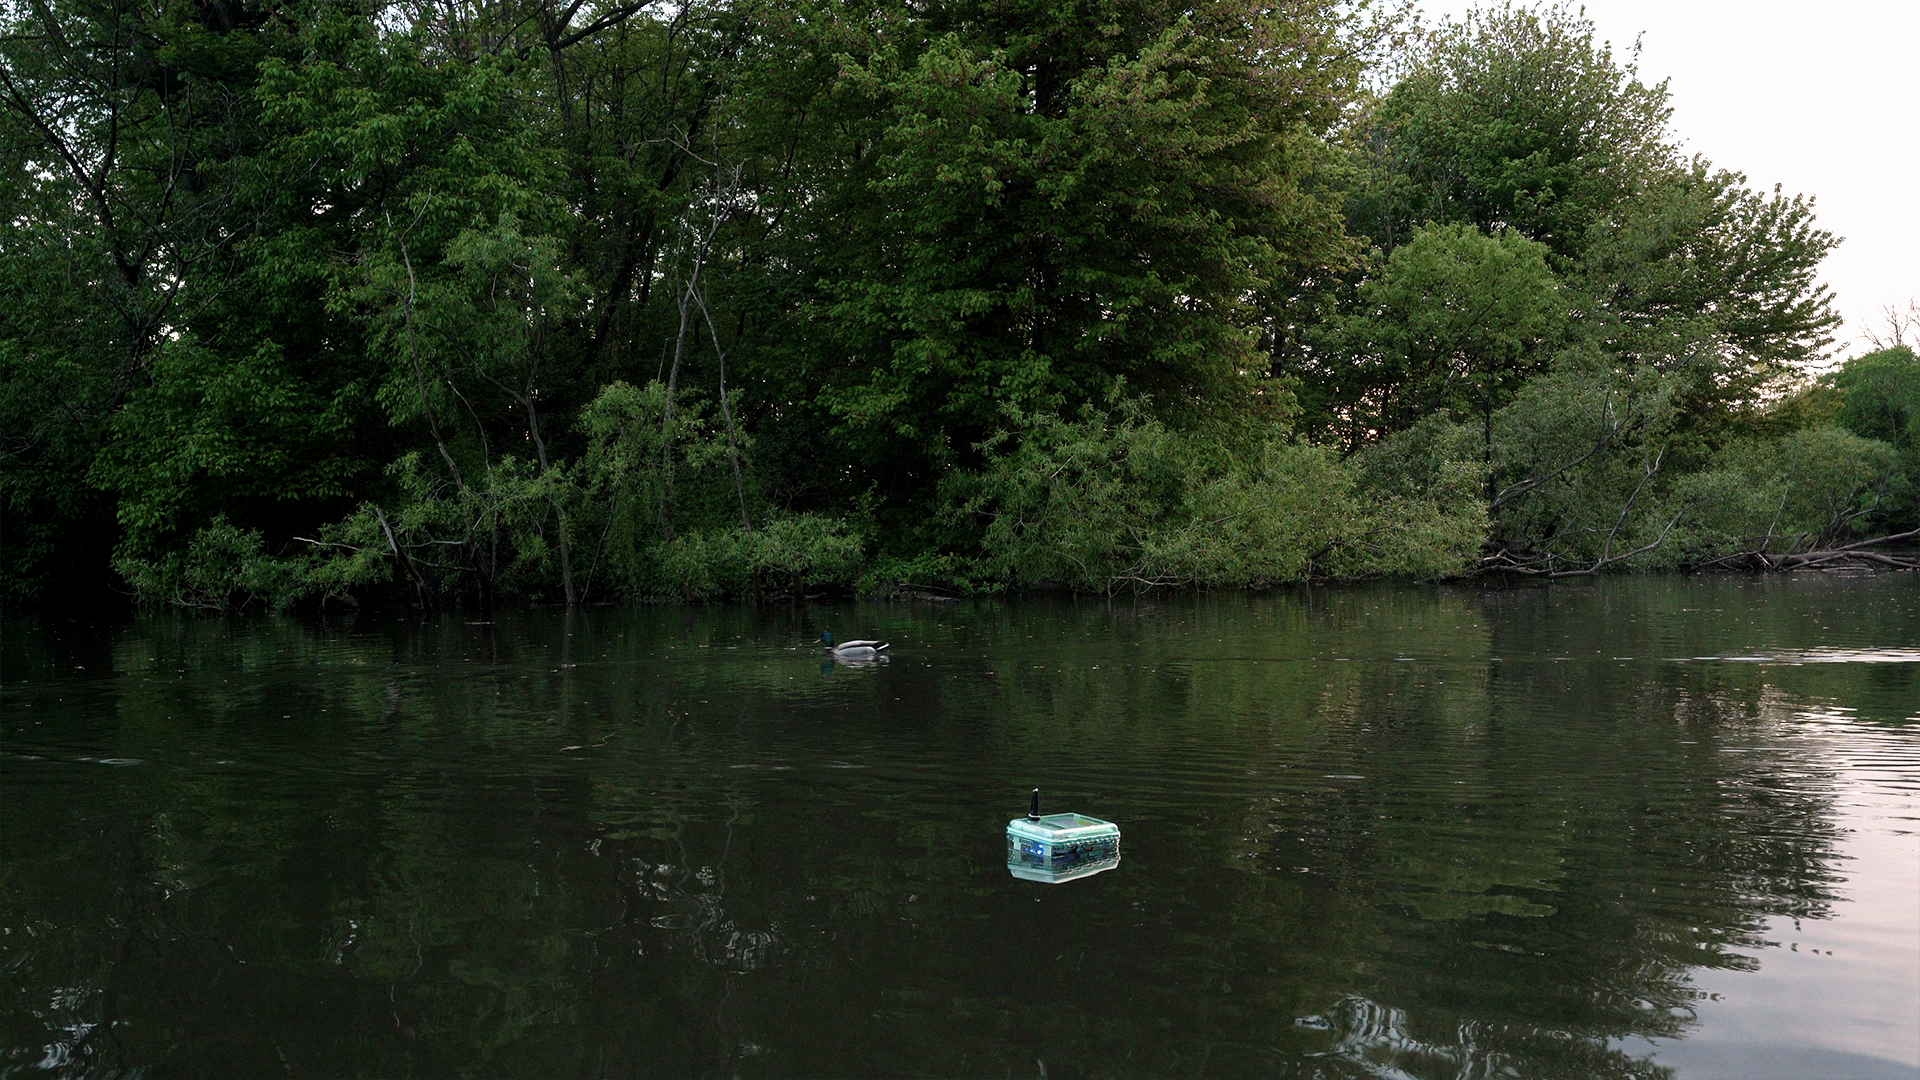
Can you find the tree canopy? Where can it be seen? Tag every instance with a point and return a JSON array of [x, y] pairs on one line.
[[566, 301]]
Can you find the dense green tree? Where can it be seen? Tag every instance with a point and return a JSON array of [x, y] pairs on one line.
[[1881, 396], [400, 178], [125, 136], [1513, 118], [1881, 400], [1705, 277], [1517, 118], [1027, 203], [1456, 321]]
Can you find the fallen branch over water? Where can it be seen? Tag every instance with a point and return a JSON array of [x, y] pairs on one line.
[[1535, 565], [1824, 558], [1814, 559]]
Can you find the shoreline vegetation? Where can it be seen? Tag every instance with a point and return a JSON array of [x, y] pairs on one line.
[[567, 303]]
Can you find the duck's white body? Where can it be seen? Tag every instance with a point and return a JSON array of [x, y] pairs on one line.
[[852, 648]]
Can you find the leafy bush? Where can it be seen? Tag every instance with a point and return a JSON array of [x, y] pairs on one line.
[[1579, 460], [1117, 500], [1423, 512], [1881, 400], [657, 489], [222, 568], [1064, 502], [1810, 490], [787, 555]]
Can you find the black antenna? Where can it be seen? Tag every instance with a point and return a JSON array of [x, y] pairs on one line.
[[1033, 807]]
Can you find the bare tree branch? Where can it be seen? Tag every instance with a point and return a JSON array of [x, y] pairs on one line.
[[1894, 326]]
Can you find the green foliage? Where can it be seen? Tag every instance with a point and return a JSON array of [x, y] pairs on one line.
[[644, 469], [1118, 500], [807, 549], [1455, 321], [1589, 460], [300, 303], [125, 139], [785, 557], [1881, 396], [1071, 502], [1045, 204], [214, 431], [1880, 399], [498, 533], [1580, 460], [1515, 118], [1422, 488], [220, 568], [1806, 407], [637, 456], [1805, 492], [1703, 277], [45, 513]]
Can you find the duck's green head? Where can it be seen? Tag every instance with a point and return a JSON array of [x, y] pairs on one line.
[[826, 638]]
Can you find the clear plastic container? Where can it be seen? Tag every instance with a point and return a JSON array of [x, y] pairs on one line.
[[1061, 847]]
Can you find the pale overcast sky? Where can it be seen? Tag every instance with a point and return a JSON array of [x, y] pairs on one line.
[[1818, 97]]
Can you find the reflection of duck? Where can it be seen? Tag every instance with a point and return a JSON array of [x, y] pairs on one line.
[[851, 650]]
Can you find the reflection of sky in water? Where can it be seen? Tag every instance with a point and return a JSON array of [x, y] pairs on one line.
[[1826, 1000], [1825, 656], [1835, 994]]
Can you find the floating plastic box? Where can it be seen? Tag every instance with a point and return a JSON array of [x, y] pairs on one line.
[[1061, 847]]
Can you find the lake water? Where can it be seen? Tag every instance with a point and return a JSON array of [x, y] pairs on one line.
[[1645, 827]]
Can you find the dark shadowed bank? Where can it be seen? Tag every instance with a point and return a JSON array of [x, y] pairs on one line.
[[310, 303]]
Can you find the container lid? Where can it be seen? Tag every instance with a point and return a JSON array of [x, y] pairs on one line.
[[1059, 827]]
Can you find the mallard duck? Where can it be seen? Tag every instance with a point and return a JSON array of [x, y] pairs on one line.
[[851, 648]]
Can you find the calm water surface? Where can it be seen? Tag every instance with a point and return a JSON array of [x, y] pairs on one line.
[[1656, 827]]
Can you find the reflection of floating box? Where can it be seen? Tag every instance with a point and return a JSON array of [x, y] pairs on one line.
[[1061, 847]]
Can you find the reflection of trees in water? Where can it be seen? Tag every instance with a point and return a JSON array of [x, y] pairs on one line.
[[1370, 1039], [696, 918], [1500, 856], [1523, 844], [1554, 874], [684, 933]]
